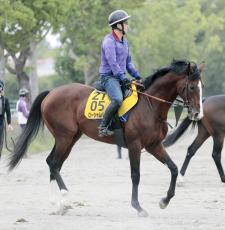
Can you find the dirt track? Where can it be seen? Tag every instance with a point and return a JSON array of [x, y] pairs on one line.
[[100, 189]]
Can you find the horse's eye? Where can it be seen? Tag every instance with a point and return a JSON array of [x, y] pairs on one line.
[[191, 87]]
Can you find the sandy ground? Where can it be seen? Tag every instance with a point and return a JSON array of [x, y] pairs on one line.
[[100, 189]]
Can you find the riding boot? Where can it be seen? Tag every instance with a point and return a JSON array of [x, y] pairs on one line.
[[109, 113]]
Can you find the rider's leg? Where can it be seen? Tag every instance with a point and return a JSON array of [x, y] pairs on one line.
[[113, 89], [109, 113]]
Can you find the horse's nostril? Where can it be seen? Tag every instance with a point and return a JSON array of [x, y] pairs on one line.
[[196, 115]]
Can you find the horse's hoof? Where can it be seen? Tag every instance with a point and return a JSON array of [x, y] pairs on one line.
[[180, 181], [142, 213], [53, 200], [63, 209], [162, 203], [63, 192]]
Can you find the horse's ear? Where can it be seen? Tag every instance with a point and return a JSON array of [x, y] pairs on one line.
[[201, 66], [189, 69]]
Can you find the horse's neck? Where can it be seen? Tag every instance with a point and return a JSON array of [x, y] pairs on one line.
[[164, 89]]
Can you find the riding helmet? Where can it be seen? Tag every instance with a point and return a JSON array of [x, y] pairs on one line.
[[23, 92], [117, 16]]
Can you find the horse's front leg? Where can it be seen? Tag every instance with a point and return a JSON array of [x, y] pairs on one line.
[[134, 155], [160, 153]]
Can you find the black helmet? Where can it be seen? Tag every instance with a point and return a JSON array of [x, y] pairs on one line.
[[117, 16], [23, 92]]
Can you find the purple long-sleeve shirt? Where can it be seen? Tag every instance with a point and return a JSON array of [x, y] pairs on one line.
[[116, 58], [22, 107]]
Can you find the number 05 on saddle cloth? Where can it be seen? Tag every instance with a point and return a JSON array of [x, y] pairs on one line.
[[99, 101]]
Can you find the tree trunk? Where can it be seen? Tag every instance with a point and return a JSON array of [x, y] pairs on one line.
[[2, 63], [88, 76], [33, 76], [85, 76], [23, 79]]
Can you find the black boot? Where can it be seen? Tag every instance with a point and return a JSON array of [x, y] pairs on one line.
[[109, 113]]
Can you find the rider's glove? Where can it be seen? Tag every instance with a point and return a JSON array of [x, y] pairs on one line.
[[138, 78], [126, 83]]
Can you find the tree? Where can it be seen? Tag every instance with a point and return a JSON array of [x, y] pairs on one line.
[[173, 29], [82, 34], [24, 24], [214, 74], [2, 62]]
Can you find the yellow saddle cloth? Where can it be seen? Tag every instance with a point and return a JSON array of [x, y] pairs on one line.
[[99, 101]]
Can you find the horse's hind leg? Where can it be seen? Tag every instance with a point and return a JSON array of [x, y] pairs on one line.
[[57, 157], [192, 149], [160, 153], [217, 148], [55, 160]]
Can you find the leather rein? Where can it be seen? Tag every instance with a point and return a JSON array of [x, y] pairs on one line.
[[150, 96]]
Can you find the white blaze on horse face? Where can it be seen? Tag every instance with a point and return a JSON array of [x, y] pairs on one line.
[[200, 115]]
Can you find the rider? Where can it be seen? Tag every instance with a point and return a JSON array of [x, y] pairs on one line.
[[115, 60]]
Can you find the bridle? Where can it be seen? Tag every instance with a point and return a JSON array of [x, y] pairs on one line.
[[190, 77]]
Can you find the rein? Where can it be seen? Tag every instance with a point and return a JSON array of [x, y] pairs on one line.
[[145, 94], [153, 97], [150, 96]]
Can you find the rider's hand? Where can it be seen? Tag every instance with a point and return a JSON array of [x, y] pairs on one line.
[[126, 83], [138, 78], [10, 128], [140, 82]]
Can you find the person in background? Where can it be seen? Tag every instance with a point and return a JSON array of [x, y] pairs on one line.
[[22, 108], [4, 109]]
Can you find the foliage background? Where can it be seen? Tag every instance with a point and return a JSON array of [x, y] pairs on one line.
[[160, 30]]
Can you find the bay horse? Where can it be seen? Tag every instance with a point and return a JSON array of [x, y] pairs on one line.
[[62, 111], [212, 124]]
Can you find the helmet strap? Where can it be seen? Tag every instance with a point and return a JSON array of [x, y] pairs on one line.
[[116, 27], [123, 28]]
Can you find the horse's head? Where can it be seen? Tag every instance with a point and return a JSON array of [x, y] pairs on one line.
[[190, 89]]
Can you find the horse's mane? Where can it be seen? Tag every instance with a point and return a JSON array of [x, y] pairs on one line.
[[176, 66], [158, 73]]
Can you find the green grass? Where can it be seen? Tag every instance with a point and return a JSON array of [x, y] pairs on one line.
[[171, 114], [42, 143]]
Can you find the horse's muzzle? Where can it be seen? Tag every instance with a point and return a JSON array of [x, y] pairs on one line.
[[195, 116]]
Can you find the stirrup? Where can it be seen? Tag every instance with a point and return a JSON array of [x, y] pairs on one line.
[[104, 132]]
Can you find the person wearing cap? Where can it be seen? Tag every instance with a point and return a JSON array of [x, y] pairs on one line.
[[115, 61], [22, 108], [4, 109]]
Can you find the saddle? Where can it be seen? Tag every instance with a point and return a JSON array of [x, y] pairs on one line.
[[97, 103]]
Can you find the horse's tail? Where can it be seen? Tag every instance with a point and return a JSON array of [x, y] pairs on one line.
[[34, 122], [173, 137]]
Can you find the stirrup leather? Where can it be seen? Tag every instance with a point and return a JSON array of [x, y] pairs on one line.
[[104, 131]]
